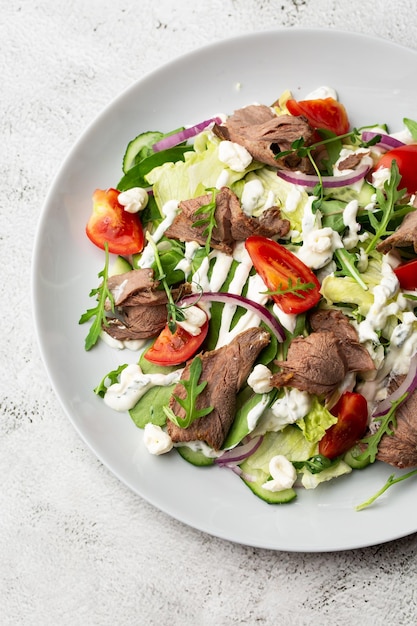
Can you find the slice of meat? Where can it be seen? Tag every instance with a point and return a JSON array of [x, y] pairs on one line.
[[404, 236], [355, 354], [400, 448], [122, 286], [264, 134], [225, 370], [231, 223], [314, 363], [140, 305], [138, 322]]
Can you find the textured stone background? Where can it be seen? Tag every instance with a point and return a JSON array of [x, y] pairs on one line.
[[76, 546]]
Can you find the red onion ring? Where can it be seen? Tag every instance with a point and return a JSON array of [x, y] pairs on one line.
[[386, 142], [240, 452], [229, 298], [311, 180], [408, 385], [183, 135]]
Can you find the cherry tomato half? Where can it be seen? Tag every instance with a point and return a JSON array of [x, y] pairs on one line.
[[407, 274], [352, 421], [281, 270], [175, 348], [325, 113], [110, 223], [406, 159]]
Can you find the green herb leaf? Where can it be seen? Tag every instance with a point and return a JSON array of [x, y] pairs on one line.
[[102, 294], [174, 312], [193, 390], [392, 480], [112, 377], [315, 464], [412, 127], [347, 262], [387, 426], [387, 200], [208, 219], [296, 289]]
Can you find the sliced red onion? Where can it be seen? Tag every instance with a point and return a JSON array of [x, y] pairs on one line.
[[386, 142], [408, 385], [311, 180], [183, 135], [239, 453], [230, 298]]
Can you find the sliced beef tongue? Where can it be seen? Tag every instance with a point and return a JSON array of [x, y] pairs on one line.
[[400, 448], [264, 134], [225, 371], [404, 236], [124, 286], [140, 307], [355, 354], [319, 362], [231, 223], [314, 363]]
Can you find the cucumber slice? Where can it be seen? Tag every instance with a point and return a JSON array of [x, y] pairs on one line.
[[120, 266], [195, 457], [351, 459], [271, 497], [139, 148]]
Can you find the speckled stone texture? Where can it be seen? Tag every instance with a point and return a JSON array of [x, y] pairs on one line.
[[77, 547]]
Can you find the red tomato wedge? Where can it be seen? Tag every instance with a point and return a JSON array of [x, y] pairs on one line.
[[406, 159], [175, 348], [110, 223], [281, 270], [407, 274], [325, 113], [352, 421]]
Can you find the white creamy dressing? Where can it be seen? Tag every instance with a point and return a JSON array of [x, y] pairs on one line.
[[252, 196], [200, 446], [170, 210], [195, 318], [319, 243], [283, 474], [133, 200], [234, 156], [322, 92], [287, 409], [156, 440], [381, 308], [256, 412], [185, 265], [223, 179], [123, 396], [259, 379], [117, 344]]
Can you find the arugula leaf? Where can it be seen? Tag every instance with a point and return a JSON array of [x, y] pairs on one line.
[[175, 312], [98, 312], [193, 389], [112, 377], [208, 220], [296, 288], [347, 262], [388, 424], [392, 480], [387, 200]]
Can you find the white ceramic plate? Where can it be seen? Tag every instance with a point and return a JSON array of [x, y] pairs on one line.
[[376, 82]]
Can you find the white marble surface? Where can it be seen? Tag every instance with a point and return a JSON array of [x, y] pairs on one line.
[[77, 547]]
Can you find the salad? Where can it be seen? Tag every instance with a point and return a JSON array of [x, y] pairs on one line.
[[262, 266]]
